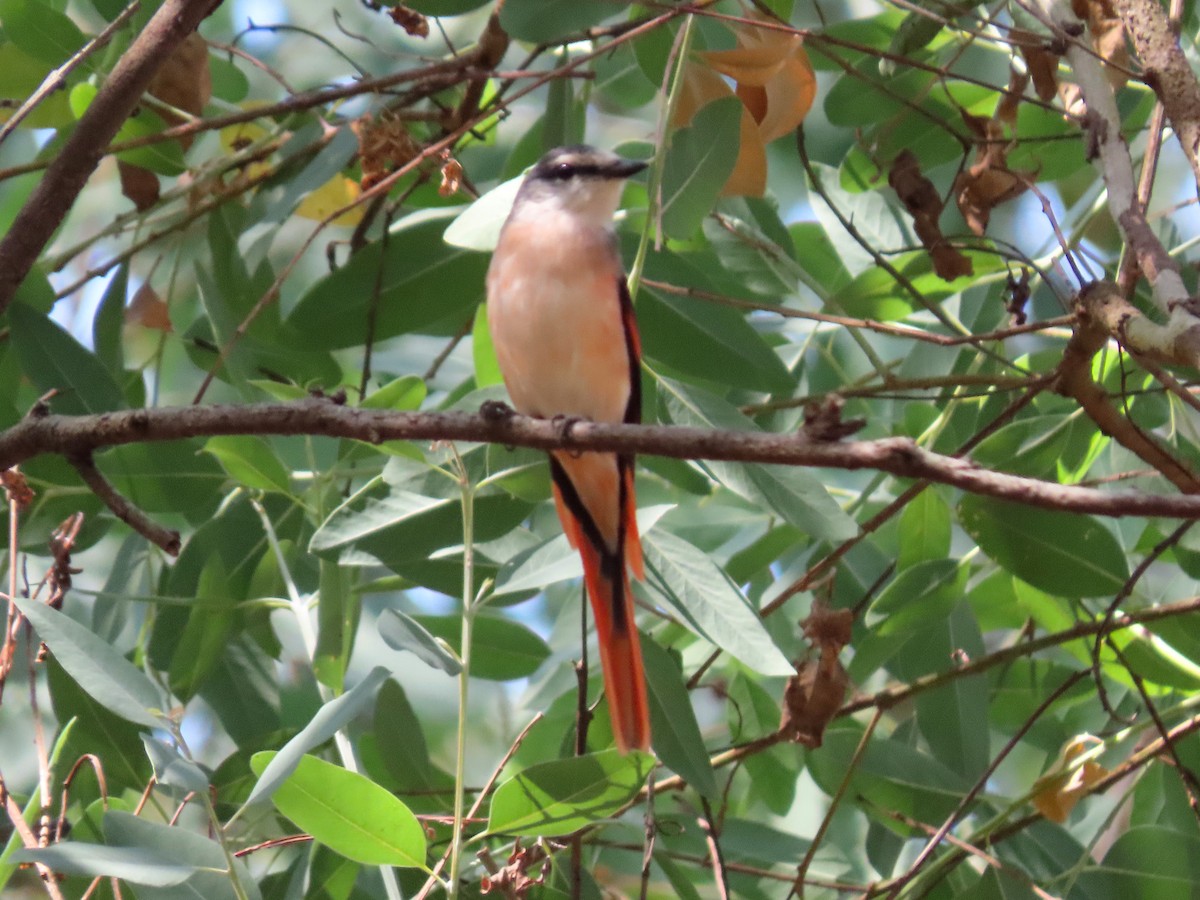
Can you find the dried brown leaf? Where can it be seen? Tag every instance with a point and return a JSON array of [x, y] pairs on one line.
[[139, 185], [384, 145], [16, 488], [410, 20], [1043, 69], [815, 693], [148, 309], [924, 204]]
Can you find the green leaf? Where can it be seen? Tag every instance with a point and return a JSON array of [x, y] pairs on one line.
[[676, 734], [400, 734], [20, 76], [444, 7], [478, 226], [162, 158], [338, 612], [687, 580], [424, 285], [699, 160], [53, 360], [251, 461], [875, 294], [40, 30], [210, 621], [1154, 862], [487, 368], [540, 23], [331, 717], [708, 341], [800, 498], [560, 797], [924, 591], [109, 324], [111, 680], [169, 476], [404, 393], [402, 632], [924, 529], [1061, 553], [132, 864], [501, 649], [397, 526], [173, 770], [177, 844], [348, 813], [99, 731], [325, 165]]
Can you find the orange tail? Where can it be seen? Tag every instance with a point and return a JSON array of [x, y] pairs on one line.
[[620, 652], [612, 606]]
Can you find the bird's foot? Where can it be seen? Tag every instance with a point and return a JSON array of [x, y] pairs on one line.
[[496, 410], [564, 425]]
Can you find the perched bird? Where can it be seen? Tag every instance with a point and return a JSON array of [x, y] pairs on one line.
[[565, 337]]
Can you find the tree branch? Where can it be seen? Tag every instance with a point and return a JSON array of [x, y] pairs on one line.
[[78, 435], [54, 195], [1166, 70]]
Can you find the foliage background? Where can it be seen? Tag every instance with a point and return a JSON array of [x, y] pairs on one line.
[[1000, 697]]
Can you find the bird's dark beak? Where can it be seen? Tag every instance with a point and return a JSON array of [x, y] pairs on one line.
[[626, 168]]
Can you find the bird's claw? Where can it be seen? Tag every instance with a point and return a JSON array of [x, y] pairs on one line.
[[496, 410]]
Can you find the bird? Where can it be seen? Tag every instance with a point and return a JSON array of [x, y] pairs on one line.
[[565, 336]]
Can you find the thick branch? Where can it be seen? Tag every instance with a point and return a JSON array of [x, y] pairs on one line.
[[1166, 70], [1104, 123], [54, 195], [77, 435]]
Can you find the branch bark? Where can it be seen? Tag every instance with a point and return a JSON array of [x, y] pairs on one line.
[[1166, 71], [55, 194], [76, 436]]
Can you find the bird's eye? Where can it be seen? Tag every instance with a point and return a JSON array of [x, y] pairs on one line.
[[563, 171]]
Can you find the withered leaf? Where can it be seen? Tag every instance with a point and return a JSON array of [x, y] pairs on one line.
[[183, 81], [139, 185], [384, 145], [924, 204], [815, 693], [148, 309], [989, 181], [410, 20], [1043, 69]]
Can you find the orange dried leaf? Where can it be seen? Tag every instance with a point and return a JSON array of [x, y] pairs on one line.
[[701, 85], [1056, 793], [790, 96], [148, 309], [749, 175], [756, 63]]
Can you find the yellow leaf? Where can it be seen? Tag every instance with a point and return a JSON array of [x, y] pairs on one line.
[[1069, 779], [337, 192]]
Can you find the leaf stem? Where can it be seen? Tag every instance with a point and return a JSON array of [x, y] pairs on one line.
[[464, 676], [683, 45]]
